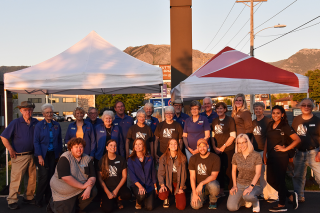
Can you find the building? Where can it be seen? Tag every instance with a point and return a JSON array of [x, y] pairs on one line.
[[286, 102]]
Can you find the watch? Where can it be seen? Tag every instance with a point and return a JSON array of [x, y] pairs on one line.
[[252, 185]]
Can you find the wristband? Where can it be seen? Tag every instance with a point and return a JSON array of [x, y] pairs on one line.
[[224, 144], [155, 188], [252, 185]]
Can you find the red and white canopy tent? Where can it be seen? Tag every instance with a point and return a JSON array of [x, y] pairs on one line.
[[231, 72]]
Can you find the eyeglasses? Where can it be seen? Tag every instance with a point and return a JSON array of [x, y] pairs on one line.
[[239, 100], [169, 113], [242, 143], [49, 113], [306, 105], [195, 109]]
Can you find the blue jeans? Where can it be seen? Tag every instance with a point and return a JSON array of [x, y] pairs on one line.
[[234, 201], [212, 189], [301, 161]]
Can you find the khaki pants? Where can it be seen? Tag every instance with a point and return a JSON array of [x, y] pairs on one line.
[[21, 165]]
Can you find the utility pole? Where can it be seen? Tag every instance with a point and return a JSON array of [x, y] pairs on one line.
[[252, 96]]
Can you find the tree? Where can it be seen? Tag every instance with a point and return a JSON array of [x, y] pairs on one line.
[[131, 101], [314, 87]]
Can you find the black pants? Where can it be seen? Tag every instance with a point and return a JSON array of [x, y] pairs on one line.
[[276, 174], [72, 204], [225, 169], [108, 205], [44, 176], [147, 199]]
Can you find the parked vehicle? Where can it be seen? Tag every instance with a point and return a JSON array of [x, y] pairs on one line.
[[229, 107], [72, 118], [58, 118], [38, 116], [157, 113]]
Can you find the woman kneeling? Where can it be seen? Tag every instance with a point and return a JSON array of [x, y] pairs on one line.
[[172, 170], [246, 187], [112, 177]]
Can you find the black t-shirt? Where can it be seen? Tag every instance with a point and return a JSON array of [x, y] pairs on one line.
[[308, 131], [116, 167], [137, 132], [165, 132], [174, 171], [107, 138], [204, 167], [277, 136], [222, 131], [259, 133], [63, 168]]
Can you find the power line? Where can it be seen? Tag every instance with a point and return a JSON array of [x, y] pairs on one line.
[[228, 29], [245, 45], [277, 14], [286, 33], [292, 32], [243, 25], [220, 27]]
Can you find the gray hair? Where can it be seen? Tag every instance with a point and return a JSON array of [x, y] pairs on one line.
[[141, 112], [209, 99], [46, 106], [149, 105], [169, 109], [310, 99], [91, 108], [259, 104], [106, 113], [195, 103]]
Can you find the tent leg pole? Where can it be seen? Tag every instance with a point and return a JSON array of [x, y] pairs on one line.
[[270, 103], [5, 125], [182, 105], [308, 95], [47, 99], [162, 103], [252, 96]]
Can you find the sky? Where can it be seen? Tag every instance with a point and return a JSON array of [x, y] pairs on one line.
[[35, 30]]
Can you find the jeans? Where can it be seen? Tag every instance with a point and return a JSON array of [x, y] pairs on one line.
[[146, 199], [234, 201], [301, 161], [212, 189], [268, 191]]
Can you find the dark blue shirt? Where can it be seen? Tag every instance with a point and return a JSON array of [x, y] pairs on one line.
[[101, 136], [153, 123], [21, 134], [88, 136], [124, 123], [181, 119], [50, 147], [97, 122], [212, 116], [42, 138], [146, 177], [196, 130]]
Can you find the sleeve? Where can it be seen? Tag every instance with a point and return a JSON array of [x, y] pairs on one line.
[[129, 134], [157, 131], [92, 172], [63, 167], [180, 130], [36, 141], [93, 140], [216, 165], [287, 130], [8, 132], [294, 124], [121, 142], [151, 135], [132, 172], [192, 163], [123, 164], [60, 140], [234, 160], [232, 125], [185, 130], [68, 135], [206, 125], [247, 120], [258, 159], [161, 170]]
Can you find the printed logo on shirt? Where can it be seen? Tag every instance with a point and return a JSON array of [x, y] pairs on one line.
[[141, 135], [56, 127], [174, 168], [302, 130], [112, 171], [202, 169], [218, 129], [167, 133], [257, 130]]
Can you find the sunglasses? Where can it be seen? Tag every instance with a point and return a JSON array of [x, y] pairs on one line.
[[306, 105]]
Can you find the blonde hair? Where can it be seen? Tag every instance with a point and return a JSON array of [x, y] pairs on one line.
[[244, 105], [245, 136]]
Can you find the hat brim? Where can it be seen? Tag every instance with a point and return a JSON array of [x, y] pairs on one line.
[[28, 106]]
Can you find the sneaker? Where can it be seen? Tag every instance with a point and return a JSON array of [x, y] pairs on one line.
[[13, 206], [49, 210], [212, 205], [272, 200], [278, 209], [166, 203], [295, 200], [221, 195], [248, 204], [33, 201], [257, 208], [138, 206]]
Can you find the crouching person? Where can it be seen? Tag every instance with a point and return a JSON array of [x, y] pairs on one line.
[[172, 175], [204, 168], [73, 182]]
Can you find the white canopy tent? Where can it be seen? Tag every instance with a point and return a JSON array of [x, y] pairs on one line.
[[91, 66], [231, 72]]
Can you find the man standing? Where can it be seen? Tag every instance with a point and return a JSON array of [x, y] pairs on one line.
[[204, 168], [209, 113], [20, 131], [93, 117], [259, 132], [179, 116], [123, 120]]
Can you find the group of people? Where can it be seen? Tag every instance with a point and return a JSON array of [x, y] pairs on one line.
[[113, 158]]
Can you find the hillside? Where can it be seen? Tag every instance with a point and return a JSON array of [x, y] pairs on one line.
[[160, 54], [301, 62]]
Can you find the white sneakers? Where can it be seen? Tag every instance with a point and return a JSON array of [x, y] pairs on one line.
[[257, 208]]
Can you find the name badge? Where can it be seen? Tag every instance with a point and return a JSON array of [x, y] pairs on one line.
[[221, 124], [81, 165], [115, 123], [312, 125], [200, 122], [73, 128], [116, 162], [101, 131], [175, 119]]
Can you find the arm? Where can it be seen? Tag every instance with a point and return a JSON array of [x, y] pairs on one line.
[[7, 144], [207, 134], [185, 141], [73, 182], [60, 141], [213, 143], [212, 177], [156, 148], [254, 181], [122, 142], [104, 187], [93, 142], [195, 194], [37, 146], [68, 136], [265, 153], [234, 189], [183, 175], [294, 143], [181, 144], [127, 147], [247, 120], [228, 143]]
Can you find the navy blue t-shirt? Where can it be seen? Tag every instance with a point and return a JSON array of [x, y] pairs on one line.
[[181, 119]]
